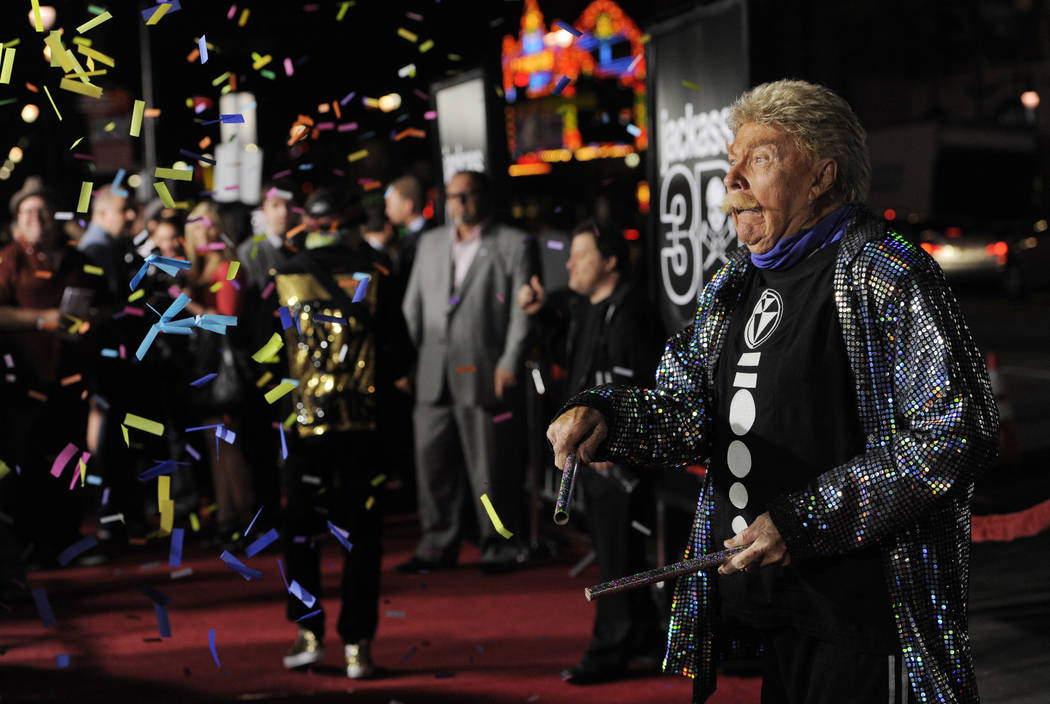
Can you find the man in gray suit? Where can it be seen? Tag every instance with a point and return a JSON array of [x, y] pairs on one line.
[[460, 311]]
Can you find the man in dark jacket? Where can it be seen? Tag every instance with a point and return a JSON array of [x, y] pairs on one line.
[[613, 334], [346, 345]]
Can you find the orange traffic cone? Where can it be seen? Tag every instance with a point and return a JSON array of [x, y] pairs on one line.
[[1009, 445]]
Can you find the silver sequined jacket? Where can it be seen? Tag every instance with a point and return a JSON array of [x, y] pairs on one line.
[[931, 423]]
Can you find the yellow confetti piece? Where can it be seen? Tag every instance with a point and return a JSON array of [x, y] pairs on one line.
[[137, 294], [150, 426], [690, 85], [59, 54], [38, 21], [195, 523], [136, 118], [280, 390], [79, 140], [4, 469], [342, 10], [244, 17], [9, 62], [455, 57], [263, 379], [214, 288], [496, 522], [261, 61], [161, 10], [164, 193], [87, 74], [77, 68], [94, 22], [231, 274], [220, 79], [52, 100], [167, 515], [174, 174], [357, 155], [92, 269], [269, 350], [96, 55], [370, 503], [82, 41], [163, 488], [110, 126], [85, 196], [88, 89], [405, 34], [426, 46], [377, 480], [289, 421], [124, 429], [83, 472]]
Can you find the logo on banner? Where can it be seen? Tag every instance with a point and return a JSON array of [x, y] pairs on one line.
[[696, 234], [454, 160], [764, 318]]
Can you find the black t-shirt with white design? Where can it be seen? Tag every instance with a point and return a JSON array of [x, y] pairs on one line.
[[786, 413]]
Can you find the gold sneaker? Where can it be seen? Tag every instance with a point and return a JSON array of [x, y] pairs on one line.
[[306, 650], [359, 659]]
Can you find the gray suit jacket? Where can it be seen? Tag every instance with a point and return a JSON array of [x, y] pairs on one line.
[[462, 342]]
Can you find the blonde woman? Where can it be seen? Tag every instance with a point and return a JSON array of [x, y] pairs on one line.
[[210, 258]]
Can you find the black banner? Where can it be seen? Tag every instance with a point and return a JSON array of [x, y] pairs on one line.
[[698, 64]]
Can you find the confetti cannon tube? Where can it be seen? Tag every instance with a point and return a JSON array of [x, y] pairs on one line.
[[677, 569], [568, 480]]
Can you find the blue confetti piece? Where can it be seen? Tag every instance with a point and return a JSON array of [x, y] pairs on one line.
[[202, 46], [202, 427], [562, 82], [193, 452], [348, 98], [249, 528], [211, 646], [112, 354], [195, 155], [119, 178], [43, 607], [296, 590], [284, 443], [568, 28], [309, 615], [155, 596], [261, 543], [362, 287], [204, 379], [280, 568], [157, 470], [319, 318], [151, 335], [231, 119], [163, 624], [226, 435], [634, 130], [118, 192], [175, 552], [410, 653], [94, 480], [239, 567], [340, 535], [76, 548], [286, 317], [62, 660]]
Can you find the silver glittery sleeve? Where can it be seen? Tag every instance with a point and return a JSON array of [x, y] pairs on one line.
[[926, 374]]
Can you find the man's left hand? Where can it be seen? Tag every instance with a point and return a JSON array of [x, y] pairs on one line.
[[504, 380], [764, 547]]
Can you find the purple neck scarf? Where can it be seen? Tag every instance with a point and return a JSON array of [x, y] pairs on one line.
[[789, 251]]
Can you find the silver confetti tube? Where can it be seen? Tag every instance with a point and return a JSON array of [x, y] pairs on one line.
[[677, 569], [568, 480]]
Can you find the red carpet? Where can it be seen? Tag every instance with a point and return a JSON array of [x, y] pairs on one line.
[[450, 636], [1011, 526]]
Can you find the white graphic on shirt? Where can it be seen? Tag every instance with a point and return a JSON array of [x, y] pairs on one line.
[[764, 318]]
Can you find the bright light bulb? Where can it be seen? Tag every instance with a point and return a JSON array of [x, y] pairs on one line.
[[134, 180], [390, 102], [15, 154], [1030, 99], [30, 112]]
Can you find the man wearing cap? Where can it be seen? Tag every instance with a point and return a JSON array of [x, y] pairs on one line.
[[833, 388], [40, 413], [346, 345]]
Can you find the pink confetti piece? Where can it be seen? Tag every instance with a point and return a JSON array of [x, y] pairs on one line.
[[421, 94], [502, 417], [346, 127], [232, 12], [63, 459], [430, 115], [288, 67], [281, 174], [268, 290]]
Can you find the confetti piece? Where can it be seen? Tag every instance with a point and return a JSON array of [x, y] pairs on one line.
[[411, 651], [62, 460], [52, 101], [369, 503], [244, 17], [690, 85], [105, 496], [249, 528], [163, 624], [405, 34], [232, 271], [341, 536], [92, 269], [263, 380], [62, 660], [150, 426], [296, 590], [261, 543], [204, 379], [321, 318], [88, 89], [124, 429], [268, 352], [342, 10], [82, 545], [640, 528], [43, 607], [378, 479], [280, 390], [174, 174], [175, 551], [395, 614], [195, 523], [94, 22], [634, 130], [466, 370], [355, 156], [85, 196], [211, 646], [184, 572], [562, 83], [164, 193], [284, 443], [502, 417], [568, 28], [309, 615], [496, 522], [239, 567], [113, 518], [161, 10], [9, 62]]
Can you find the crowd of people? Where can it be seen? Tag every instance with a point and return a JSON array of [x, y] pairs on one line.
[[828, 381]]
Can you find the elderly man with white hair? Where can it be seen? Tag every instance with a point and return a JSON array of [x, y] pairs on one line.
[[830, 383]]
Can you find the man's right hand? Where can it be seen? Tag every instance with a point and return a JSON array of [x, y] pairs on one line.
[[582, 429], [531, 296]]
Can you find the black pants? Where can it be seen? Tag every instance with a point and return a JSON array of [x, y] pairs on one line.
[[624, 623], [345, 465], [799, 669]]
